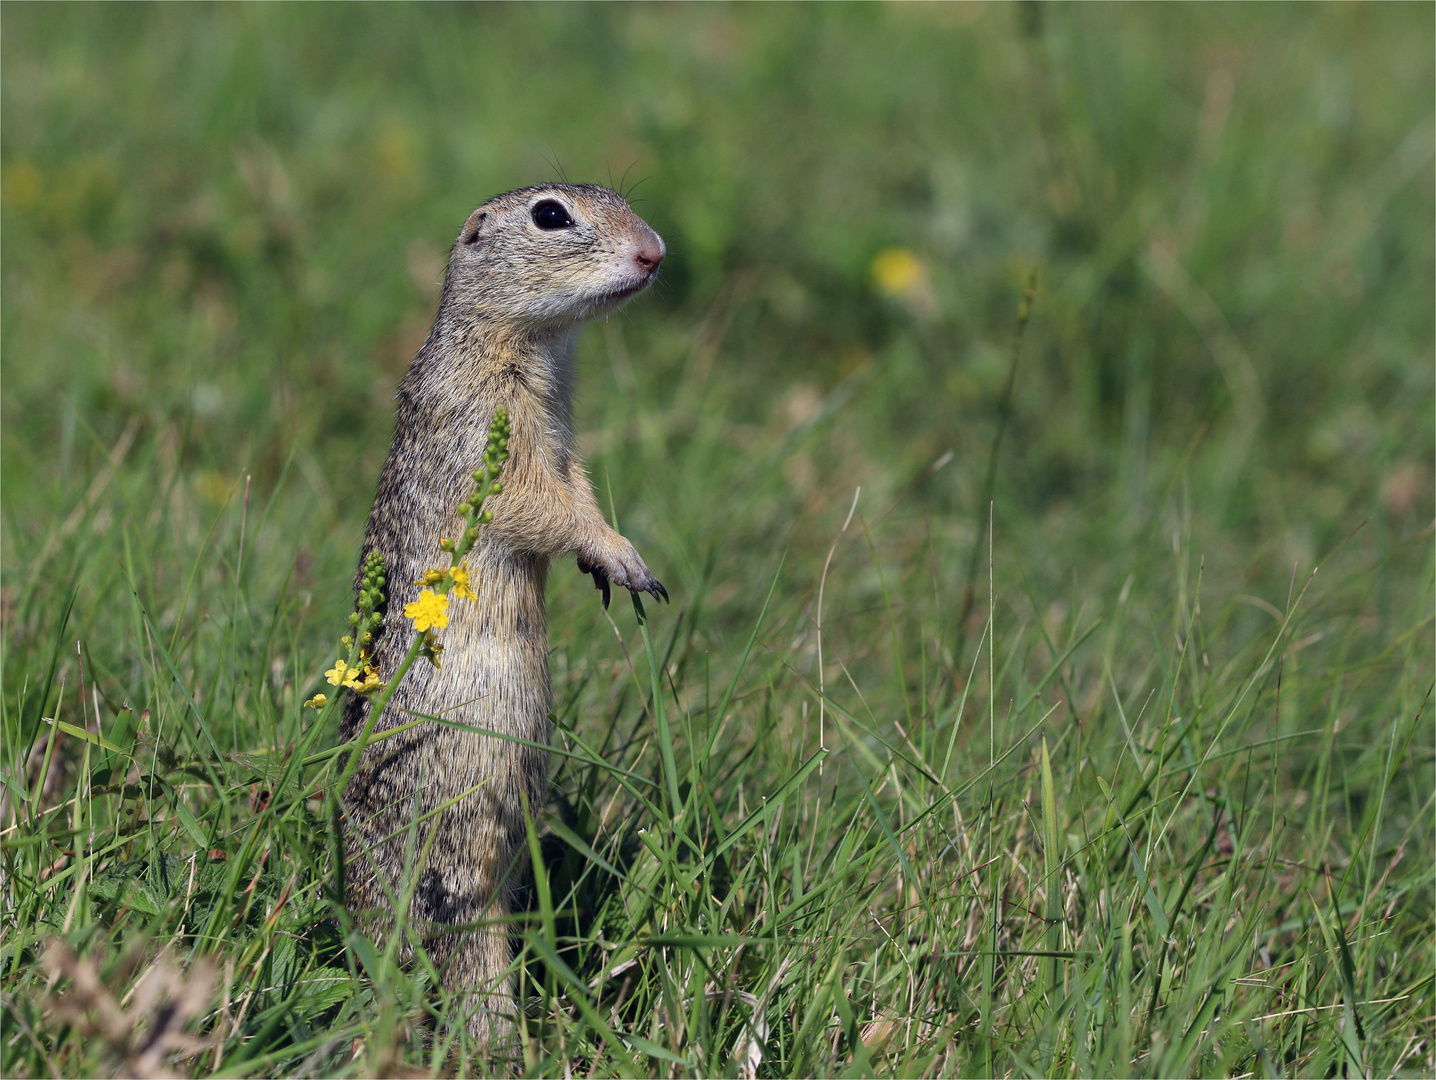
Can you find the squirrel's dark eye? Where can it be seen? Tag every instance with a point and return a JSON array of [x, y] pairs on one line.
[[551, 215]]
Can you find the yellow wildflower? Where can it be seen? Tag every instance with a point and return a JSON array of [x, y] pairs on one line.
[[338, 673], [431, 577], [364, 683], [431, 609], [318, 701], [899, 272], [461, 584]]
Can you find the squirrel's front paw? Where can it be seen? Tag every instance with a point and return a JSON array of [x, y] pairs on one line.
[[620, 565]]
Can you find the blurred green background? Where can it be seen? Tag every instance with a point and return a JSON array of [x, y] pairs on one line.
[[224, 226], [226, 222], [223, 231]]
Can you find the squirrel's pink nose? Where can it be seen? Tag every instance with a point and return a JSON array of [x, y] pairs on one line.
[[650, 253]]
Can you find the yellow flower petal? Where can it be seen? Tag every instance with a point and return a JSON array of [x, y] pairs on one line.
[[461, 587], [363, 683], [318, 701], [431, 609]]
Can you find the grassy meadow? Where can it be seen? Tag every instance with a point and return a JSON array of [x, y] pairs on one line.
[[1033, 425]]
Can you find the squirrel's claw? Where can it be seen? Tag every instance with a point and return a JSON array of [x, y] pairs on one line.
[[603, 579], [600, 578]]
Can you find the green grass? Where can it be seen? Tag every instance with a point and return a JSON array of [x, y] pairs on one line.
[[1138, 782]]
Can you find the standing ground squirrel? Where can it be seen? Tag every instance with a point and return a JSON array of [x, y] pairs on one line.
[[527, 270]]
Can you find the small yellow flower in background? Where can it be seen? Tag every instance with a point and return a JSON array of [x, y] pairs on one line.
[[396, 148], [214, 486], [338, 673], [430, 609], [431, 577], [318, 701], [461, 584], [22, 185], [898, 272]]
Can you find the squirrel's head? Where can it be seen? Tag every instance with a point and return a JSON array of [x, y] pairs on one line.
[[548, 257]]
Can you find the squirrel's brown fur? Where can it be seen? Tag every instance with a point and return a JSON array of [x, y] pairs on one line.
[[519, 284]]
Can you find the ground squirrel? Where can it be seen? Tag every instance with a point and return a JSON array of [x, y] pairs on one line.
[[528, 268]]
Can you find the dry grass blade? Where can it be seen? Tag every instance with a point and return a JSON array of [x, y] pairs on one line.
[[147, 1033]]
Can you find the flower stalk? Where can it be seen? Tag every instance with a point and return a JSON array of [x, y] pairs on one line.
[[430, 611]]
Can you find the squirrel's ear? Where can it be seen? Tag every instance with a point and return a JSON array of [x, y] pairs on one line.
[[474, 228]]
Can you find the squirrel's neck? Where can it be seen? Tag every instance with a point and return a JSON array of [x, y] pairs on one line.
[[466, 370], [472, 365]]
